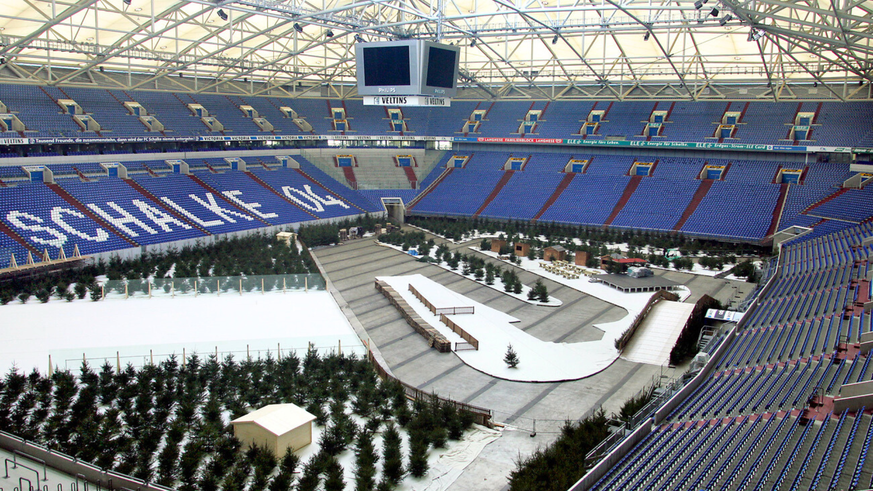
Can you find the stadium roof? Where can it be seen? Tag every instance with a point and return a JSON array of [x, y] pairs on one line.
[[544, 49]]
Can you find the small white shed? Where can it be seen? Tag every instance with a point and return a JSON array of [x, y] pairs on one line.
[[276, 426]]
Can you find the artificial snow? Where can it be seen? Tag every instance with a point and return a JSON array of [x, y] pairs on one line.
[[633, 303], [249, 324], [657, 334], [540, 361], [137, 328]]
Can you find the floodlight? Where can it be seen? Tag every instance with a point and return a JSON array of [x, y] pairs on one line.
[[222, 14]]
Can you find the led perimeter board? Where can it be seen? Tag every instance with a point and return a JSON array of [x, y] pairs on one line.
[[407, 67]]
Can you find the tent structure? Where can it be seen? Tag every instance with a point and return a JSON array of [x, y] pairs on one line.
[[277, 427]]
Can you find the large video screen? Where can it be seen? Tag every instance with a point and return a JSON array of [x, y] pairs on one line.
[[440, 69], [407, 67], [388, 67]]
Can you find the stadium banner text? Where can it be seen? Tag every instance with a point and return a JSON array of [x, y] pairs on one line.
[[407, 101], [457, 139]]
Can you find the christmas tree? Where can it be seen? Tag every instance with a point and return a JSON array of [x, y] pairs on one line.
[[511, 357]]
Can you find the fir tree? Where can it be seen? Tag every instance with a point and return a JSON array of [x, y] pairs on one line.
[[333, 475], [489, 276], [417, 454], [511, 357], [366, 459], [392, 461]]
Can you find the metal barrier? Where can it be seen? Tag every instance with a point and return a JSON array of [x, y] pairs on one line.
[[71, 466], [15, 465]]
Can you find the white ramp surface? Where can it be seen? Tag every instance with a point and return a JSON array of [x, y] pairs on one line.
[[541, 361], [658, 332]]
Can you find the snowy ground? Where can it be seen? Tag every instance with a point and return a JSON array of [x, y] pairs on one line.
[[541, 361], [230, 323], [657, 334], [444, 464], [498, 283], [634, 303], [237, 324]]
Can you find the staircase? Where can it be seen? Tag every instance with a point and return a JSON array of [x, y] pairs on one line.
[[277, 193], [350, 177], [507, 175], [776, 175], [430, 188], [166, 209], [410, 174], [81, 175], [151, 171], [114, 97], [628, 191], [223, 197], [568, 177], [825, 200], [724, 173], [777, 211], [17, 238], [793, 119], [88, 213], [695, 201]]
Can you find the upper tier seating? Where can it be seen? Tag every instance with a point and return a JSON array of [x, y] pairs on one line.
[[836, 124]]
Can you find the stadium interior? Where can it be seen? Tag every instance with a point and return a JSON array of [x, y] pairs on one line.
[[134, 126]]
